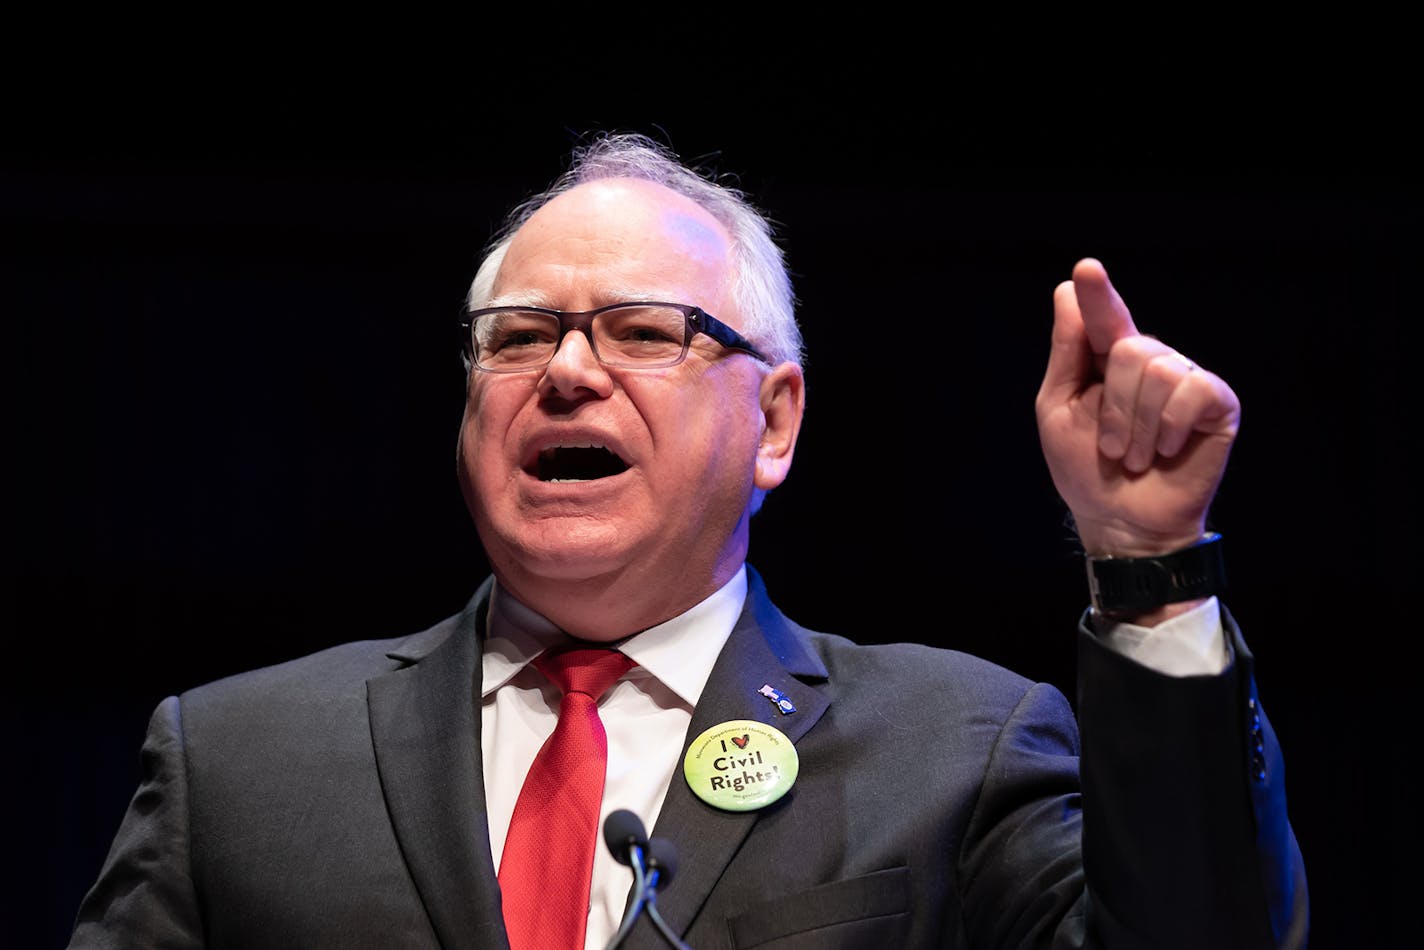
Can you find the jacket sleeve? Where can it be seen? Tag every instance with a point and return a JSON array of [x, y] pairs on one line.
[[144, 895], [1186, 840]]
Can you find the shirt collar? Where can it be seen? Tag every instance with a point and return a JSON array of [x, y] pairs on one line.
[[679, 652]]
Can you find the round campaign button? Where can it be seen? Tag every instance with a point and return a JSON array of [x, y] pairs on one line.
[[740, 765]]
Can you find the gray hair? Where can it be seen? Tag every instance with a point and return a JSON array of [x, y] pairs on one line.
[[762, 288]]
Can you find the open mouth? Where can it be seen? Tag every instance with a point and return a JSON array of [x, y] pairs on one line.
[[577, 463]]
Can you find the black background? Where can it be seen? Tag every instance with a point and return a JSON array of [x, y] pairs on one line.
[[231, 280]]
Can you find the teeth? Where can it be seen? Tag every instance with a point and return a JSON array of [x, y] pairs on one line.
[[548, 453]]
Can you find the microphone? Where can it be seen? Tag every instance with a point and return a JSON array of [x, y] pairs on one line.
[[653, 862], [661, 859], [623, 832], [626, 838], [662, 864]]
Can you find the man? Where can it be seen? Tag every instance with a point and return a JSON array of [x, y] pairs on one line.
[[634, 390]]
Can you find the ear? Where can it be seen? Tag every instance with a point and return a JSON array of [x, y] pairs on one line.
[[783, 402]]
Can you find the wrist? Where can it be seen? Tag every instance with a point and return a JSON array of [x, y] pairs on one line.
[[1114, 537]]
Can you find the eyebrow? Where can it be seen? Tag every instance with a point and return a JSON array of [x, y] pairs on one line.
[[609, 295], [528, 299]]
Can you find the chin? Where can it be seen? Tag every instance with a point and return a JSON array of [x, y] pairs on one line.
[[565, 549]]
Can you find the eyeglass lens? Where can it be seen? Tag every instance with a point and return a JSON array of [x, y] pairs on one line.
[[635, 335]]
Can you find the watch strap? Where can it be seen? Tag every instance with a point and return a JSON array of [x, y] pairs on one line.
[[1139, 584]]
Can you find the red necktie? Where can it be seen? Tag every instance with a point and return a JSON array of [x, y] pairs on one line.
[[547, 867]]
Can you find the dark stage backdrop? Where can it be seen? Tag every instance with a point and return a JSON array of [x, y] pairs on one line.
[[234, 392]]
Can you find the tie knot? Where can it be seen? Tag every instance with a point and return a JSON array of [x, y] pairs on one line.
[[587, 670]]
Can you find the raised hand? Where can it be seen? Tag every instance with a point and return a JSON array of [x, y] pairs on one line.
[[1135, 434]]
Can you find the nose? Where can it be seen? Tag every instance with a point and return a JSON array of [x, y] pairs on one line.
[[575, 369]]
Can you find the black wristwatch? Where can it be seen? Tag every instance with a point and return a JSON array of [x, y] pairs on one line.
[[1134, 585]]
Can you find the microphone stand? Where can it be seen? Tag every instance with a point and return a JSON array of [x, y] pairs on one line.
[[640, 897]]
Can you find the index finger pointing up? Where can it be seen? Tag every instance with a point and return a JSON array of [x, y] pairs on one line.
[[1105, 317]]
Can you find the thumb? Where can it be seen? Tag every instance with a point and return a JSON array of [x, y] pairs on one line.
[[1071, 363]]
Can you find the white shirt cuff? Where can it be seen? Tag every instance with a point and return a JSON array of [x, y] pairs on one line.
[[1191, 644]]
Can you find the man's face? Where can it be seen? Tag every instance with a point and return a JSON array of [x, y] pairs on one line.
[[632, 478]]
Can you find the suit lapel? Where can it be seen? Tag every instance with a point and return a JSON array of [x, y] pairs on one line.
[[426, 733], [762, 650]]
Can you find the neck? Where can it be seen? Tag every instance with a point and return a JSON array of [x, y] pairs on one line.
[[610, 607]]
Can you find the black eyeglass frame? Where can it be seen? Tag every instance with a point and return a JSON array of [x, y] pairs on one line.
[[695, 321]]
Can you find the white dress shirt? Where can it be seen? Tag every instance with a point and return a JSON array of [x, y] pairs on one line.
[[647, 712]]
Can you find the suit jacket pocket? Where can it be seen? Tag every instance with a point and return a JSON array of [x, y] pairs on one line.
[[855, 913]]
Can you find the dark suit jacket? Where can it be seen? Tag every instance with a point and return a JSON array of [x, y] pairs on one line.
[[338, 801]]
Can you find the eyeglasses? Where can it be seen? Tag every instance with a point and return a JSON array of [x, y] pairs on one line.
[[645, 335]]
